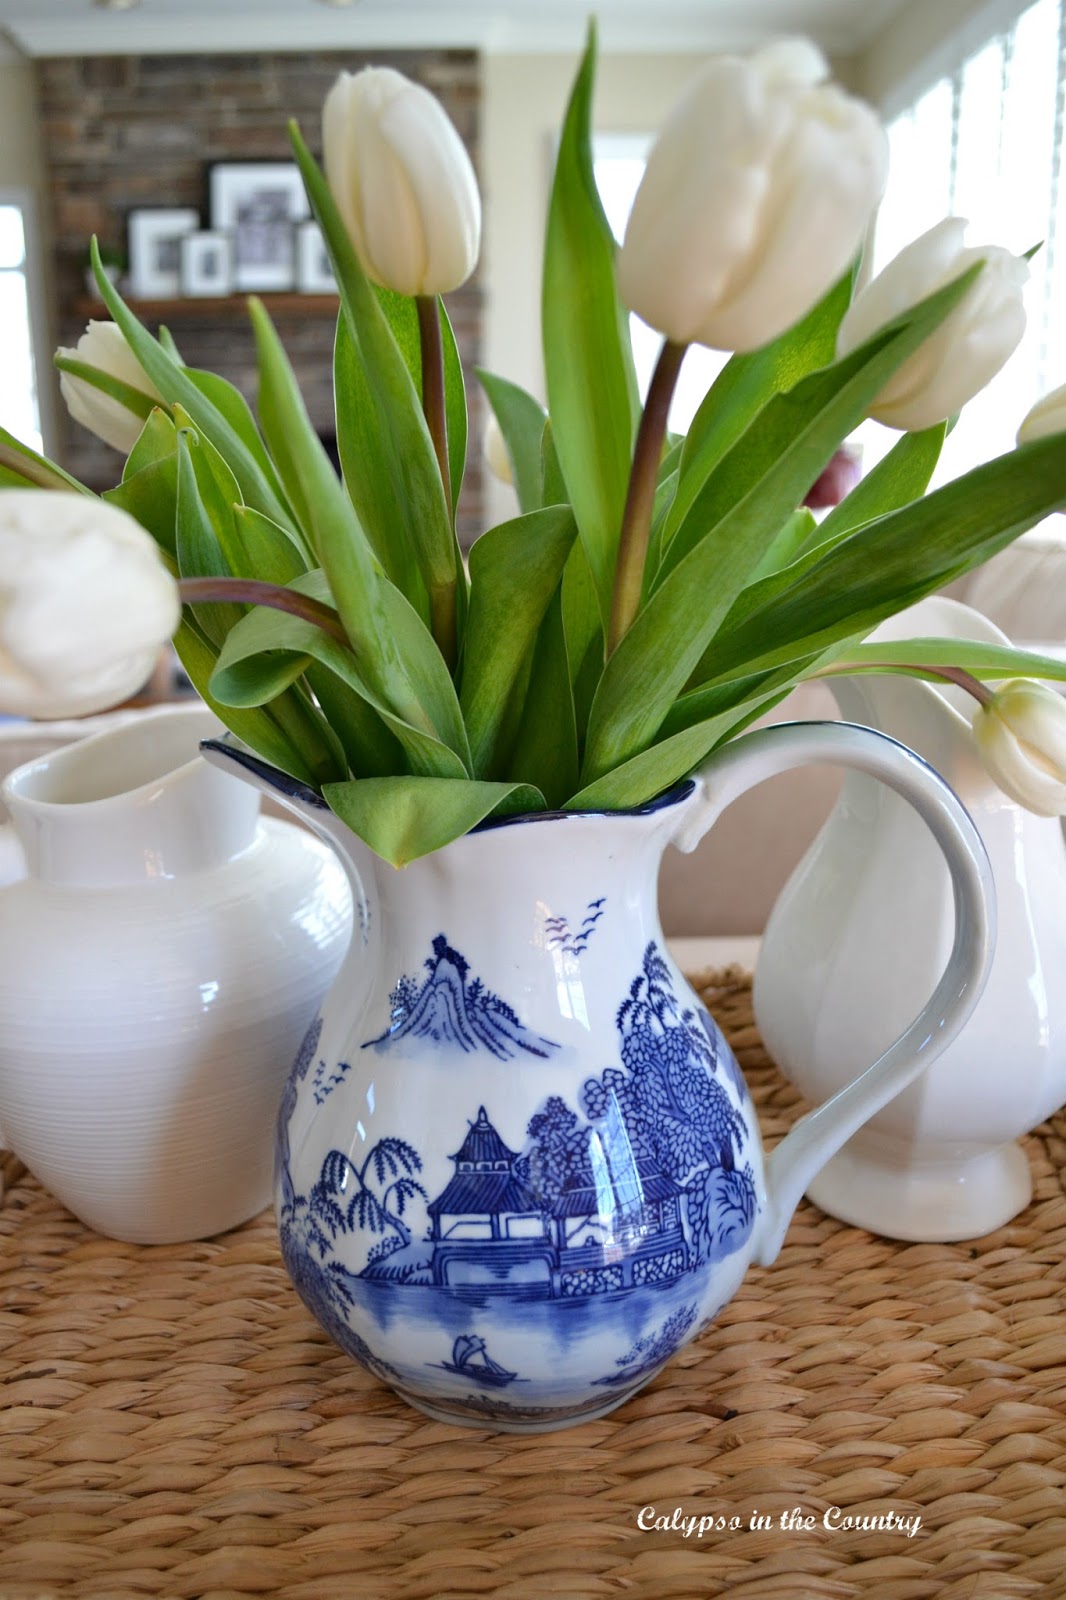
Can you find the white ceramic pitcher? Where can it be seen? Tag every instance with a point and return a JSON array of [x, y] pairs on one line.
[[863, 925], [158, 967], [517, 1164]]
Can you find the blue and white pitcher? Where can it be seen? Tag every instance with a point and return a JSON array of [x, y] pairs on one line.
[[517, 1164]]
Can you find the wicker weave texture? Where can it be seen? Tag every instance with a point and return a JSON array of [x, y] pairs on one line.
[[174, 1424]]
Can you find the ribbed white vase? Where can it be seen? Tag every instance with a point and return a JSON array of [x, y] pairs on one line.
[[159, 965]]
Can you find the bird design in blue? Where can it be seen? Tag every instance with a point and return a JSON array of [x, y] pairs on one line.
[[562, 937]]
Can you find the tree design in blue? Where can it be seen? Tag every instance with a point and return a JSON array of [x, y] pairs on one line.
[[562, 937], [640, 1184], [675, 1115], [450, 1008], [306, 1053]]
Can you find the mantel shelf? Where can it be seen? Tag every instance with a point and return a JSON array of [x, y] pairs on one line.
[[212, 308]]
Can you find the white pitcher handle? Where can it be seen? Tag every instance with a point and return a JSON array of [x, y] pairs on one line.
[[745, 762]]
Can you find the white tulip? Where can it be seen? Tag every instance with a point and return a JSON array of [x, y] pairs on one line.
[[1046, 417], [103, 345], [972, 343], [403, 182], [85, 604], [1021, 738], [755, 200]]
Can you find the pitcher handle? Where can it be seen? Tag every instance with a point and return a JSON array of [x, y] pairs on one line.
[[745, 762]]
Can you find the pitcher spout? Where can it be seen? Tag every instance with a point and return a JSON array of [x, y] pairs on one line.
[[228, 755]]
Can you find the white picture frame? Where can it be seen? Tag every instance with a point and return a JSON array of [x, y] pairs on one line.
[[314, 272], [207, 264], [153, 241], [259, 203]]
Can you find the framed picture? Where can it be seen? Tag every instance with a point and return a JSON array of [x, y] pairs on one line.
[[259, 203], [206, 264], [314, 273], [153, 238]]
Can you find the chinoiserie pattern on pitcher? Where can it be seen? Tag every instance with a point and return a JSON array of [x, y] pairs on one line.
[[516, 1227]]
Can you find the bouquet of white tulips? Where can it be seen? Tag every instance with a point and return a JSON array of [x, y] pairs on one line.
[[656, 594]]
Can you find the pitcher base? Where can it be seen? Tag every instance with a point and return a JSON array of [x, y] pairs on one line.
[[924, 1203], [475, 1413]]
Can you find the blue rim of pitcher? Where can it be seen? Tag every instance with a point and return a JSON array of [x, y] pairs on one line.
[[295, 790]]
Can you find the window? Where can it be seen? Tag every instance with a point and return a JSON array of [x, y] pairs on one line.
[[985, 142], [19, 408]]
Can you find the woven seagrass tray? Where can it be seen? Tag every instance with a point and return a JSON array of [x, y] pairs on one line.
[[174, 1424]]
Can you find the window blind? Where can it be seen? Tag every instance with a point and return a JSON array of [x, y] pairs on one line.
[[985, 142]]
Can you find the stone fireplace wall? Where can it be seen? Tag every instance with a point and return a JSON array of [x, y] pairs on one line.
[[123, 132]]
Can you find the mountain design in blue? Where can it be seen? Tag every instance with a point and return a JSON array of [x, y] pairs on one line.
[[449, 1008]]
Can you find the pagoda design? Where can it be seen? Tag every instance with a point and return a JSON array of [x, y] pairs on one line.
[[488, 1225], [630, 1182]]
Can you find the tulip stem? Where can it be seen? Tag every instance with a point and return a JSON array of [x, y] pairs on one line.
[[34, 471], [945, 674], [250, 591], [433, 403], [640, 496]]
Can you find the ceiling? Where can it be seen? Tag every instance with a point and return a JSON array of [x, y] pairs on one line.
[[80, 27]]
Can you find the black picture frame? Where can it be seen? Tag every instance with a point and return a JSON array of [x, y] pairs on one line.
[[259, 203]]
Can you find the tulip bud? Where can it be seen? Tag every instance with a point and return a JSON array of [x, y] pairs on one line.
[[1021, 738], [103, 345], [971, 344], [1046, 417], [755, 200], [496, 451], [85, 604], [403, 182]]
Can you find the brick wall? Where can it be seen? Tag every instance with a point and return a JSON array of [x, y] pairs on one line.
[[122, 132]]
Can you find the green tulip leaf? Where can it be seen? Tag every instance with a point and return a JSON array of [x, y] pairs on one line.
[[757, 485], [150, 497], [402, 451], [592, 395], [913, 656], [34, 471], [788, 443], [898, 478], [514, 571], [743, 387], [368, 478], [545, 749], [356, 583], [266, 551], [176, 385], [135, 400], [889, 563], [402, 819], [200, 536], [795, 534], [285, 733], [584, 635], [639, 779], [263, 631], [231, 404]]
